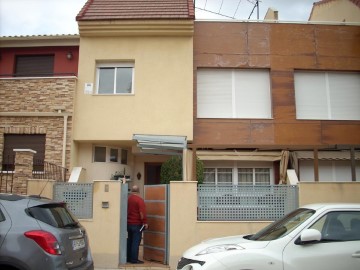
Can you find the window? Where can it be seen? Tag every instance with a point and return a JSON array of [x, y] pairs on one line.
[[124, 156], [34, 142], [56, 215], [254, 176], [99, 154], [339, 226], [114, 155], [218, 176], [2, 217], [110, 154], [327, 95], [34, 65], [115, 79], [329, 170], [237, 176], [230, 173], [233, 93]]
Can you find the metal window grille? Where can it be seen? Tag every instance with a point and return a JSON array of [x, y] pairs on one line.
[[249, 203], [78, 197]]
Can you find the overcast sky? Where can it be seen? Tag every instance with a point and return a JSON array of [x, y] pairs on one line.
[[50, 17]]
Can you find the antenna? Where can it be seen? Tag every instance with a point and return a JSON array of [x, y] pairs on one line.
[[256, 5], [219, 11], [205, 8]]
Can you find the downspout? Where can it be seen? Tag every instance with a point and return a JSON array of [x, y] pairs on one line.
[[63, 162]]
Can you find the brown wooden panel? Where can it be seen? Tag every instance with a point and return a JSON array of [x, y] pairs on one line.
[[292, 39], [262, 133], [221, 38], [259, 39], [284, 114], [155, 208], [154, 255], [156, 224], [155, 236], [300, 133], [341, 133], [338, 41], [154, 239], [218, 132], [283, 48], [155, 193]]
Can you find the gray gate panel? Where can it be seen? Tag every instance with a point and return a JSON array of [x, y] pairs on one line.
[[123, 223], [251, 203], [78, 197]]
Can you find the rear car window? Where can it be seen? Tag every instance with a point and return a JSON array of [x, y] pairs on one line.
[[2, 217], [56, 215]]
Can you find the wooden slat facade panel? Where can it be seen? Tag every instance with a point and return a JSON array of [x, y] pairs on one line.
[[155, 208], [155, 193], [283, 49], [157, 224], [332, 133], [156, 240], [151, 254]]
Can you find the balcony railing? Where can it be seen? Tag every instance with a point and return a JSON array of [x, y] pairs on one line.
[[41, 169]]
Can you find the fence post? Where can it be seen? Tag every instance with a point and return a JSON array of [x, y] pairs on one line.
[[23, 170]]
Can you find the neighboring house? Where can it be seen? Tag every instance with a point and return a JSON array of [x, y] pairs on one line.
[[336, 11], [276, 96], [38, 77], [135, 78]]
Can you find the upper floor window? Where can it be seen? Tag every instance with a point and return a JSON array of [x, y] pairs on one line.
[[110, 154], [327, 95], [34, 65], [115, 78], [233, 93]]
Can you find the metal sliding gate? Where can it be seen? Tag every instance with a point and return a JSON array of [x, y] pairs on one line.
[[156, 240]]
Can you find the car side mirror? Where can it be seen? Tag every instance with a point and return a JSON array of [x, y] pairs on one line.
[[308, 236]]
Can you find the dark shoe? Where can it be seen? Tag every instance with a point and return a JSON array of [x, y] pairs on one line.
[[137, 262]]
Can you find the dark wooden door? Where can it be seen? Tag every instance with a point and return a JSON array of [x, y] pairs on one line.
[[152, 173]]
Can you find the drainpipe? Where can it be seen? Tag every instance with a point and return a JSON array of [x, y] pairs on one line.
[[63, 162]]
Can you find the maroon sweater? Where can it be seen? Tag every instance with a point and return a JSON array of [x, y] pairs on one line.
[[135, 206]]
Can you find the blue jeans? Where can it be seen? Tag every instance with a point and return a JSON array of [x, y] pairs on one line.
[[133, 242]]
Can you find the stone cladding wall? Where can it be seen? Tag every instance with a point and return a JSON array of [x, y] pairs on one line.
[[38, 95]]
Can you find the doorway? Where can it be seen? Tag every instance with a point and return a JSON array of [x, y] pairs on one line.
[[152, 173]]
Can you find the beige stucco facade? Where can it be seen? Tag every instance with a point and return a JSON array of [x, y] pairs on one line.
[[336, 11], [162, 98]]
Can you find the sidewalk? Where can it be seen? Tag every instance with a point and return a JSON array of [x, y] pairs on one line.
[[148, 265], [145, 266]]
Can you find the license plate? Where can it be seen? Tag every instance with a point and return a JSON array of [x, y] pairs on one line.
[[78, 243]]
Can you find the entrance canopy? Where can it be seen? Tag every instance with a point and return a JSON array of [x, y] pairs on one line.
[[161, 144]]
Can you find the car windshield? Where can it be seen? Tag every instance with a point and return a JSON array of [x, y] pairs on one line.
[[55, 215], [283, 226]]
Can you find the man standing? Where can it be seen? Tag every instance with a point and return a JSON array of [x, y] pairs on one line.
[[136, 223]]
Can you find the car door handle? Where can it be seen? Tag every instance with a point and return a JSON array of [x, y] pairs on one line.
[[356, 254]]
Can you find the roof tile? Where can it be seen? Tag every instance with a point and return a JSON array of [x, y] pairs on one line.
[[136, 9]]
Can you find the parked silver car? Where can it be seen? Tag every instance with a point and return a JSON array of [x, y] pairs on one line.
[[38, 233]]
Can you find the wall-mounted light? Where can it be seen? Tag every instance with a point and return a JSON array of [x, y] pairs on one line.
[[69, 55], [138, 176]]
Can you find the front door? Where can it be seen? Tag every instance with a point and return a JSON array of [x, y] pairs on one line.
[[152, 173]]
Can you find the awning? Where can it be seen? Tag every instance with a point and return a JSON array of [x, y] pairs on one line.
[[161, 144], [239, 155], [326, 155]]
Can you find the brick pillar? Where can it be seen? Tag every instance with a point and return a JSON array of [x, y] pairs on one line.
[[23, 169]]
